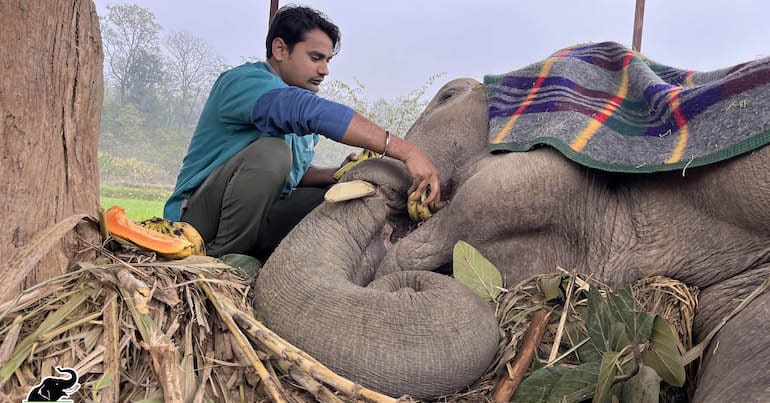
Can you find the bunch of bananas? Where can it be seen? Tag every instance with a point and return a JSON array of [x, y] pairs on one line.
[[178, 229], [420, 212], [363, 155]]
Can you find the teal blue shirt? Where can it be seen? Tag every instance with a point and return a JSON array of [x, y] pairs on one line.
[[246, 103]]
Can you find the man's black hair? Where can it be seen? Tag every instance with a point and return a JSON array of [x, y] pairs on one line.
[[292, 22]]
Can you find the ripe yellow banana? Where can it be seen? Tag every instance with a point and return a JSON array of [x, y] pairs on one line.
[[187, 251], [411, 208], [188, 232], [365, 154], [179, 229], [420, 212]]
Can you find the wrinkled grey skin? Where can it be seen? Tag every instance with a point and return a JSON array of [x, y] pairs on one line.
[[410, 332], [531, 212]]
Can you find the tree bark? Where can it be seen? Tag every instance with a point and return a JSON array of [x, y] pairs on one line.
[[51, 92]]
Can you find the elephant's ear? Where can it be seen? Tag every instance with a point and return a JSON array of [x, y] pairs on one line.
[[43, 391]]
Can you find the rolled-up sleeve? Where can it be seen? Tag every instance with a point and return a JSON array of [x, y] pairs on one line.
[[296, 110]]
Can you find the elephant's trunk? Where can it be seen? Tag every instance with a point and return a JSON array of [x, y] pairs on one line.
[[72, 374], [416, 333]]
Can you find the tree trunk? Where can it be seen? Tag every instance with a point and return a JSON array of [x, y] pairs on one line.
[[51, 90]]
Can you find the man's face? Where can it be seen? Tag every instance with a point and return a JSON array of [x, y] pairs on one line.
[[308, 63]]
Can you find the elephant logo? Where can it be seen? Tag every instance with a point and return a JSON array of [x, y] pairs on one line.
[[52, 388]]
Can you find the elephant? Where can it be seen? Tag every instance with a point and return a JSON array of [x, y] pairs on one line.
[[52, 388], [354, 285]]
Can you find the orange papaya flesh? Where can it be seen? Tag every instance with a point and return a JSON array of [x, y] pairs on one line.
[[168, 246]]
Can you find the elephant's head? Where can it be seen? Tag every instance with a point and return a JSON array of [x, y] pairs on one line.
[[460, 105], [52, 388], [412, 332]]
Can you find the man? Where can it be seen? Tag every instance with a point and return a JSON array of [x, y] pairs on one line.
[[247, 178]]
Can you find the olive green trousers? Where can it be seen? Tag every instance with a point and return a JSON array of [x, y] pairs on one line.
[[239, 209]]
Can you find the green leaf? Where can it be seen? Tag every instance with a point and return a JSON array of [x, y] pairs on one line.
[[607, 372], [558, 384], [550, 285], [104, 381], [246, 263], [622, 308], [576, 332], [664, 356], [644, 387], [475, 271], [604, 332]]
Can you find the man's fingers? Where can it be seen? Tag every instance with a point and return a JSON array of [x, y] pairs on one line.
[[435, 192], [421, 187]]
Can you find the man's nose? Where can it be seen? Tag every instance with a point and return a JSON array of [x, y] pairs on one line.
[[323, 69]]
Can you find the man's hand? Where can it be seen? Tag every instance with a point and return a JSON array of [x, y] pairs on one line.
[[362, 132], [426, 177], [349, 158]]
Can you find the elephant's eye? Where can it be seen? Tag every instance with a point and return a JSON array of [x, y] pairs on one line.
[[446, 95]]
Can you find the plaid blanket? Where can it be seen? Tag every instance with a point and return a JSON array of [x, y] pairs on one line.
[[608, 107]]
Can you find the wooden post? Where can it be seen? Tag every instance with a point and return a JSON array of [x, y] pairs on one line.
[[273, 9], [638, 24]]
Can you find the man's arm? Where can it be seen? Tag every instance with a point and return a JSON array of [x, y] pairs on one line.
[[318, 177], [362, 132], [294, 110]]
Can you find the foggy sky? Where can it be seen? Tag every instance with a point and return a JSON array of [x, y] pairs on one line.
[[394, 46]]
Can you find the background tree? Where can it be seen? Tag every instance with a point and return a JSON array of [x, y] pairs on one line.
[[131, 39], [192, 65], [153, 97], [50, 96], [396, 115]]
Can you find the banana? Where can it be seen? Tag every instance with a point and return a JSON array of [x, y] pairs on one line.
[[178, 229], [187, 251], [188, 232], [423, 212], [436, 206], [158, 224], [411, 208], [418, 211], [365, 154]]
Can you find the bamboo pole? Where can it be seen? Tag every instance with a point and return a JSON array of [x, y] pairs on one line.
[[220, 303], [520, 364], [111, 342], [317, 389], [273, 9], [638, 25], [285, 350]]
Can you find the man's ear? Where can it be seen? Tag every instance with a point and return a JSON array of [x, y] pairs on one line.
[[280, 50]]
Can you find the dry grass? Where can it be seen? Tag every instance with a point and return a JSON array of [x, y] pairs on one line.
[[136, 328]]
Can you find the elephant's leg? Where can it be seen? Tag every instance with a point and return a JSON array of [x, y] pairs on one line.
[[735, 366], [426, 248]]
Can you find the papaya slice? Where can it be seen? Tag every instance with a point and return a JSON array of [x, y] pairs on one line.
[[167, 246]]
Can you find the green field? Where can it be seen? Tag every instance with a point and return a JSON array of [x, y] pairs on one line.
[[140, 204]]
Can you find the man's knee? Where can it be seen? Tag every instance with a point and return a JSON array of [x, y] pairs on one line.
[[271, 150], [269, 157]]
